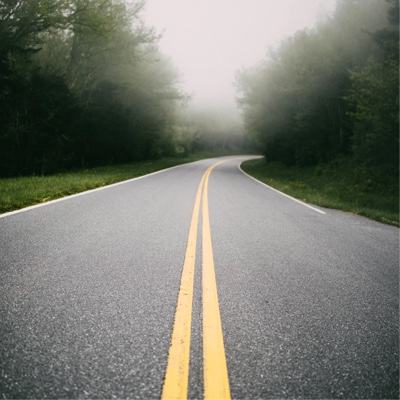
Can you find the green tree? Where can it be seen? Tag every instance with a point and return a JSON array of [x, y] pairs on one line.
[[294, 103], [82, 82], [374, 99]]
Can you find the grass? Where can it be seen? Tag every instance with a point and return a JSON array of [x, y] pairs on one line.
[[16, 193], [340, 187]]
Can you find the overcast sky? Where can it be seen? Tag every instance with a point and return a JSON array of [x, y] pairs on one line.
[[208, 40]]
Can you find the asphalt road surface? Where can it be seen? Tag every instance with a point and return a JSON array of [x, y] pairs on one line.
[[307, 301]]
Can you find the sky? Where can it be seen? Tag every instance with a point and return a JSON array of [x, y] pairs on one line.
[[209, 40]]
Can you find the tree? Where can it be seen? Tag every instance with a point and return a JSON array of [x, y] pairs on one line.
[[23, 22], [82, 83], [374, 99], [294, 103]]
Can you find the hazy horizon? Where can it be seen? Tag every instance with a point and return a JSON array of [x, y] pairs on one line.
[[209, 41]]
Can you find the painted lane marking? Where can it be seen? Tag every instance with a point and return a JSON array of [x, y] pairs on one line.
[[283, 194], [8, 214], [216, 381], [177, 372]]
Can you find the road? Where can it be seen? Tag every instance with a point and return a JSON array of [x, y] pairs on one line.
[[91, 287]]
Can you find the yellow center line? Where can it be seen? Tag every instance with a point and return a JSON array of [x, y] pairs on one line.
[[177, 373], [216, 383]]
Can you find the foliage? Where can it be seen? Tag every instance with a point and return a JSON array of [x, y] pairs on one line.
[[374, 97], [22, 192], [82, 83], [330, 92], [339, 185]]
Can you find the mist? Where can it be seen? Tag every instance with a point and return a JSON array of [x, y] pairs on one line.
[[209, 41], [99, 82]]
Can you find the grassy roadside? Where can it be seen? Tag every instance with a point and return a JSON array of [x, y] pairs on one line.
[[16, 193], [339, 188]]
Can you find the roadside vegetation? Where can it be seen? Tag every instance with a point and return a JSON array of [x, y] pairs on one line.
[[337, 186], [88, 99], [83, 84], [20, 192], [324, 110]]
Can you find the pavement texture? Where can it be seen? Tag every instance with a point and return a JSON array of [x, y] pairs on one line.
[[88, 289]]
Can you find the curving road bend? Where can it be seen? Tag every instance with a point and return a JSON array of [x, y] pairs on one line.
[[308, 301]]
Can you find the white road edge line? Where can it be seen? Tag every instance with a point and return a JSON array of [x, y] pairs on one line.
[[283, 194], [8, 214]]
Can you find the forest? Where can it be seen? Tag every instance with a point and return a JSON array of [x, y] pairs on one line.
[[330, 95], [83, 83]]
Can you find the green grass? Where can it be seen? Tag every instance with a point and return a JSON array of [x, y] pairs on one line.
[[16, 193], [340, 187], [333, 187]]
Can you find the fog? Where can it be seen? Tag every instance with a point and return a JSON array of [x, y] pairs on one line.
[[209, 40], [107, 91]]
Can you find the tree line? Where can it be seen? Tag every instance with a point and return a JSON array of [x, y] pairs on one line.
[[331, 93], [82, 83]]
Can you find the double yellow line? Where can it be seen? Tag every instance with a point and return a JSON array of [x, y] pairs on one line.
[[216, 382]]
